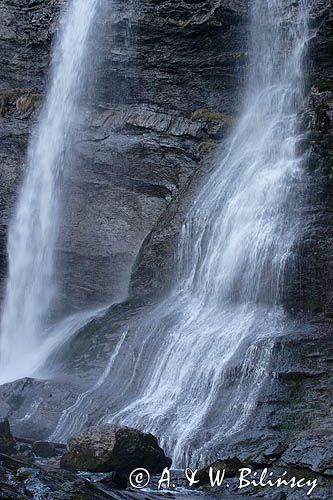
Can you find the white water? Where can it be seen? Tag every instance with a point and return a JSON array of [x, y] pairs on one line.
[[76, 415], [192, 369], [31, 286]]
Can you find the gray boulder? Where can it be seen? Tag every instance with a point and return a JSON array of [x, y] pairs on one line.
[[109, 448]]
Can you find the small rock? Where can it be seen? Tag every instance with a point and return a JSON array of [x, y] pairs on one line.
[[108, 448], [7, 441], [231, 466], [44, 449]]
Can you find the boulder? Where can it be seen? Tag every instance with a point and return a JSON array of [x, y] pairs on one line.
[[108, 448], [44, 449], [7, 441]]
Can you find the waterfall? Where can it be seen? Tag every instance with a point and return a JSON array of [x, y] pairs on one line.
[[192, 369], [33, 231]]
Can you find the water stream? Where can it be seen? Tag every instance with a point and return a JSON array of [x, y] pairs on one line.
[[25, 339], [192, 370]]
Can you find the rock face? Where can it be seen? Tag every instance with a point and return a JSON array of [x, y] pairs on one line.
[[162, 92], [7, 442], [112, 448], [308, 282], [230, 465], [34, 406], [26, 30]]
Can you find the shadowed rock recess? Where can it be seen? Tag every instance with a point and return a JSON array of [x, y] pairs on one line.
[[165, 85]]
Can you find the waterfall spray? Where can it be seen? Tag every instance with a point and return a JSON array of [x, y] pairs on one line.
[[34, 228], [191, 370], [202, 355]]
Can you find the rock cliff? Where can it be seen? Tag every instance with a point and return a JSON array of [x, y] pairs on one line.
[[165, 78], [167, 82]]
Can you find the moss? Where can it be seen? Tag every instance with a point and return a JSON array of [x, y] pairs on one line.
[[324, 85], [313, 306], [91, 486], [21, 475], [206, 147], [84, 460], [29, 102], [23, 99], [208, 115]]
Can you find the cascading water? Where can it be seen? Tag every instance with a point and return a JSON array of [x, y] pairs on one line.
[[190, 371], [220, 323], [34, 229]]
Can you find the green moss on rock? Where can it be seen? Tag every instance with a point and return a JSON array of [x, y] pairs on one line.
[[324, 85], [209, 115], [28, 102], [23, 100], [206, 147]]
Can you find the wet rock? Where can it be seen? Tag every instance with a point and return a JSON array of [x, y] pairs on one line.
[[275, 450], [313, 451], [230, 465], [44, 449], [35, 406], [269, 455], [117, 480], [7, 441], [54, 461], [140, 143], [112, 448]]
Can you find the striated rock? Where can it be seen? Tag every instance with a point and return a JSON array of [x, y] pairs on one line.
[[152, 66], [153, 155], [117, 480], [7, 441], [275, 451], [312, 451], [113, 448], [230, 465], [35, 406]]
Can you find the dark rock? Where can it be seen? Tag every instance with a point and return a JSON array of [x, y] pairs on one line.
[[144, 132], [7, 441], [35, 406], [275, 450], [27, 456], [230, 465], [112, 448], [312, 451], [269, 456], [294, 376], [20, 480], [44, 449], [117, 480]]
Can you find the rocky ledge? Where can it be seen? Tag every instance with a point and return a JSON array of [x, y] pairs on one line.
[[97, 465], [44, 470]]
